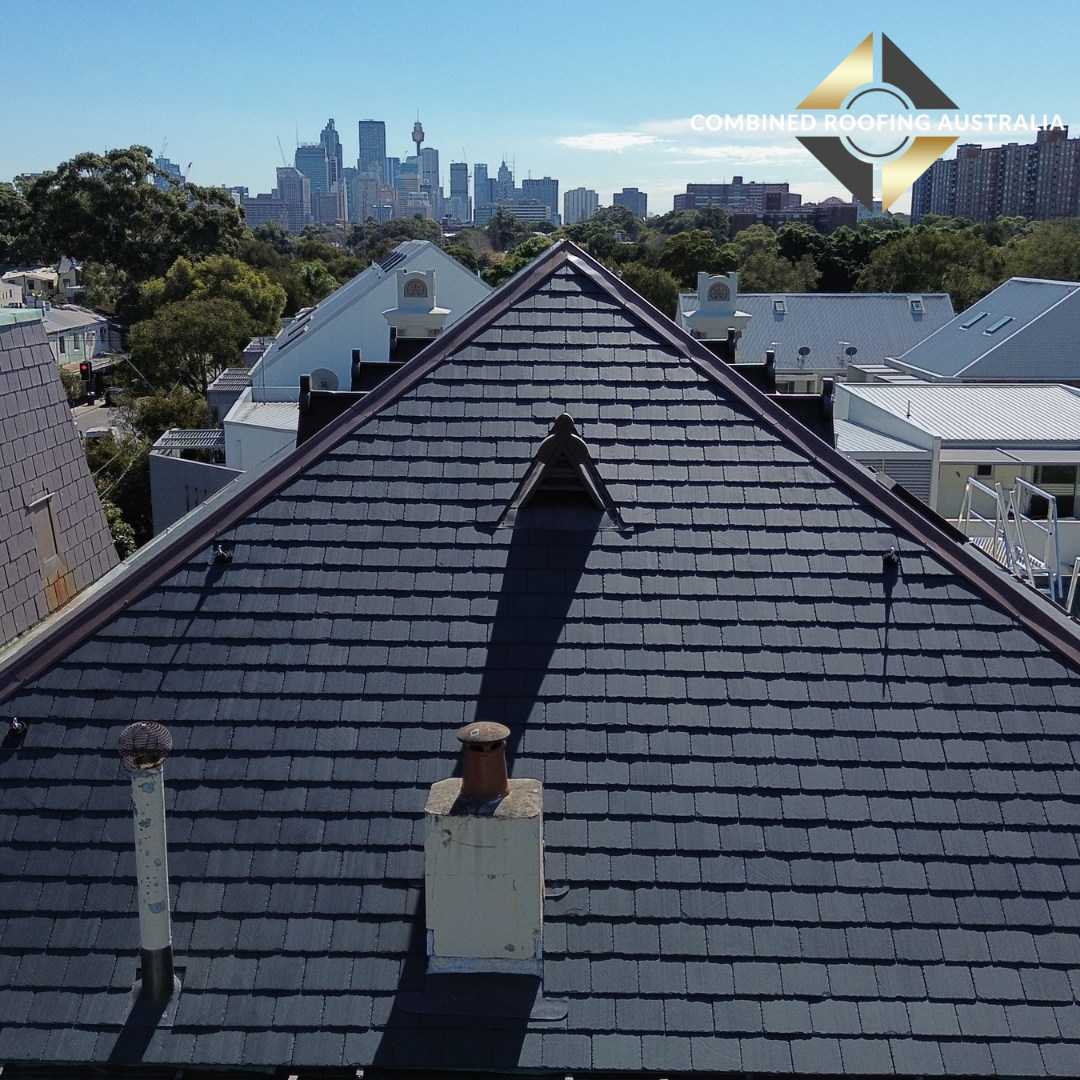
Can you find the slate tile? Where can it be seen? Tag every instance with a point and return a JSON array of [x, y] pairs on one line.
[[1016, 1058], [983, 1020], [617, 1052]]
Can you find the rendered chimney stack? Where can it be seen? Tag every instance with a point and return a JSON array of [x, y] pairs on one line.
[[143, 748], [484, 863], [416, 315]]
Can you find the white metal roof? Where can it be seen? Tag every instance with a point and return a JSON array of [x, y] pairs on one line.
[[279, 415], [971, 413], [858, 440]]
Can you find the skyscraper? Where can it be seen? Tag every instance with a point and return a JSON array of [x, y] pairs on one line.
[[335, 170], [483, 186], [332, 143], [373, 147], [504, 185], [429, 167], [579, 204], [544, 191], [635, 201], [1039, 181], [294, 190], [460, 208], [311, 160]]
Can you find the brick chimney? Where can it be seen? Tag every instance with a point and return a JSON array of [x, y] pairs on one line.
[[484, 863]]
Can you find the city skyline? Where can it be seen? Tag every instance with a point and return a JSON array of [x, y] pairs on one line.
[[597, 96]]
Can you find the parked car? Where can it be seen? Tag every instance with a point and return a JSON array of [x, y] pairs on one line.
[[113, 395]]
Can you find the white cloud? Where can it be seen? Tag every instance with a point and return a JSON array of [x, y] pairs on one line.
[[607, 140], [751, 155], [678, 126]]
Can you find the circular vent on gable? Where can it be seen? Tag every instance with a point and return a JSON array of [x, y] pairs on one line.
[[323, 379]]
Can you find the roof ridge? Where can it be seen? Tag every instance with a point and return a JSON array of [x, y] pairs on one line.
[[918, 523]]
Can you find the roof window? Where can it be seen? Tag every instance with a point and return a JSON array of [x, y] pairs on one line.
[[779, 307], [917, 306], [969, 323], [994, 327]]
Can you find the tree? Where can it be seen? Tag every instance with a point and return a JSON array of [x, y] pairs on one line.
[[276, 236], [505, 231], [958, 262], [655, 285], [104, 208], [150, 416], [1049, 249], [14, 212], [220, 277], [121, 471], [189, 342], [686, 254], [521, 256]]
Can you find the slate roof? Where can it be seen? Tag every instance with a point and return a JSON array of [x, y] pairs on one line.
[[806, 812], [41, 455], [876, 324], [1038, 342]]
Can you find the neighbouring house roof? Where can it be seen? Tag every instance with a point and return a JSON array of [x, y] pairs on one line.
[[809, 762], [1025, 330], [53, 535], [1029, 415], [351, 317], [62, 319], [828, 324]]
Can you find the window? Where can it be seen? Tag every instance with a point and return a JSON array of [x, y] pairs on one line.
[[63, 345], [779, 307], [917, 307], [973, 320], [994, 327], [984, 470], [1059, 481]]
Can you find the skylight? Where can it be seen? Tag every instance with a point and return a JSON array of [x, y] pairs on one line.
[[994, 327], [917, 306], [969, 323]]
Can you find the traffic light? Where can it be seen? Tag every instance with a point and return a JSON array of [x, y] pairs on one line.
[[86, 371]]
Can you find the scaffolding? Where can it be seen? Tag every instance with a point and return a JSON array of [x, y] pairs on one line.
[[1001, 523]]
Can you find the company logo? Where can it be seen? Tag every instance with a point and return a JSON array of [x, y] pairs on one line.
[[898, 123], [871, 115]]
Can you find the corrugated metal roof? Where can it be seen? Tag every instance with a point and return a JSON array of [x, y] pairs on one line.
[[191, 439], [856, 439], [280, 415], [234, 378], [1040, 342], [981, 413], [876, 325]]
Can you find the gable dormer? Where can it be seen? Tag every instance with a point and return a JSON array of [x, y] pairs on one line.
[[717, 307]]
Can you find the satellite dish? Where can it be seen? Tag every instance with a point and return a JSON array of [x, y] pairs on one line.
[[804, 350], [323, 379], [850, 350]]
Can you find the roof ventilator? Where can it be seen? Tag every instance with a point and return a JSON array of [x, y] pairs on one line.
[[562, 476], [143, 748]]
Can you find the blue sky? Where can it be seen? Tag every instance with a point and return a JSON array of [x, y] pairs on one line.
[[597, 94]]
